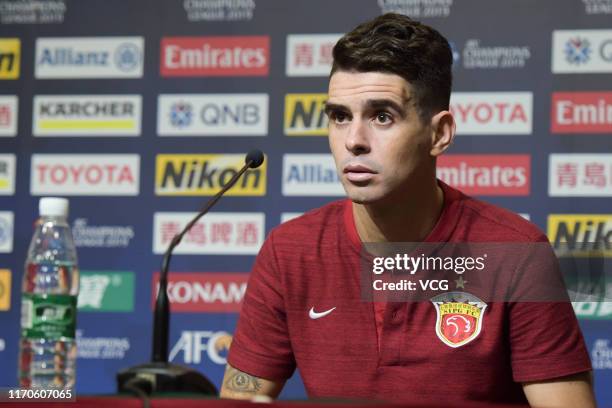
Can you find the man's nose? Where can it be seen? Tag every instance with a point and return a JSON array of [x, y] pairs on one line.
[[357, 139]]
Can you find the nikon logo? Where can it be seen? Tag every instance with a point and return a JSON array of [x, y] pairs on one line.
[[206, 174], [10, 50], [305, 115], [582, 234]]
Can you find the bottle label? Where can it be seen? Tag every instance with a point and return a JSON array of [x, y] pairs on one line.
[[45, 316]]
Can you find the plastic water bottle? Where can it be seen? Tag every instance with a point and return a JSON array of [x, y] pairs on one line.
[[47, 350]]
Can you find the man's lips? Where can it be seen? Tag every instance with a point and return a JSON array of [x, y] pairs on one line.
[[358, 172]]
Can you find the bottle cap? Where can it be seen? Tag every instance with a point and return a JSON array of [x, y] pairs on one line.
[[53, 207]]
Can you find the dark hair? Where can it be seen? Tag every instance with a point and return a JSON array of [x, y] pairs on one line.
[[393, 43]]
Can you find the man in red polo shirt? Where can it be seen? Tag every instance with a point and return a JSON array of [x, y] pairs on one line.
[[389, 94]]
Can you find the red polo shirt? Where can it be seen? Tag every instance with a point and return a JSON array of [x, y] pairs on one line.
[[314, 262]]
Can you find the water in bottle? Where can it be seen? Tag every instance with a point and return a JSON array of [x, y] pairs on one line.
[[47, 349]]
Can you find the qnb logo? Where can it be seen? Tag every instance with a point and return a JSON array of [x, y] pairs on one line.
[[578, 50], [223, 114], [195, 346], [181, 114], [213, 115], [605, 50]]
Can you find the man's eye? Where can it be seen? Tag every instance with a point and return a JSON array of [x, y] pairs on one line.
[[383, 118], [339, 117]]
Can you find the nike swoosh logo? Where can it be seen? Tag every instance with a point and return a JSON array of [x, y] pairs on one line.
[[314, 315]]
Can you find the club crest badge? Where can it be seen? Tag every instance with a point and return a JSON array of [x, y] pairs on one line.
[[459, 317]]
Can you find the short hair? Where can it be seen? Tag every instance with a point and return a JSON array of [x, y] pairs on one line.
[[396, 44]]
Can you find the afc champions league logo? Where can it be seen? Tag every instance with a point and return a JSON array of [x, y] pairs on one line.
[[459, 317]]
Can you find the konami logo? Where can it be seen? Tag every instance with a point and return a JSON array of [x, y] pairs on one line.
[[487, 174], [85, 174], [204, 292], [581, 112], [215, 56], [489, 113]]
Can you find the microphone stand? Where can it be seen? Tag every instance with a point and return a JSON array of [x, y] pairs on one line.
[[160, 375]]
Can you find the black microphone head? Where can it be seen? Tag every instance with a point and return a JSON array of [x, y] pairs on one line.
[[256, 157]]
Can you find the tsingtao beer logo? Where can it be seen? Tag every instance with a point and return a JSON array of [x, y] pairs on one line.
[[206, 174], [219, 233], [8, 115], [10, 57], [305, 115], [215, 56], [85, 174], [87, 115], [89, 57], [580, 175], [212, 115], [495, 174], [310, 54]]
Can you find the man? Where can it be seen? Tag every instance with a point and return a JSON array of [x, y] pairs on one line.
[[388, 114]]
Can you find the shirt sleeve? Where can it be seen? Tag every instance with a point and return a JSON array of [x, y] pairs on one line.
[[545, 338], [261, 345]]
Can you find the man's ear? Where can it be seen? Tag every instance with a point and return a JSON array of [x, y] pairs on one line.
[[442, 132]]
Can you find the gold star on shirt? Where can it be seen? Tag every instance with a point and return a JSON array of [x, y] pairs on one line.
[[460, 282]]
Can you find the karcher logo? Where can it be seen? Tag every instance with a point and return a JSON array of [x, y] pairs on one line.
[[205, 175], [10, 54], [87, 115], [305, 115], [581, 234]]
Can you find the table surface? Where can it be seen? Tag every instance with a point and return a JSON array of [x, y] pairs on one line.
[[126, 401]]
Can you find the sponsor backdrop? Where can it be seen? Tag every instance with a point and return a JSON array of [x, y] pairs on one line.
[[139, 111]]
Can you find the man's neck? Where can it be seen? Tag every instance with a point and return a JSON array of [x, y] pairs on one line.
[[408, 220]]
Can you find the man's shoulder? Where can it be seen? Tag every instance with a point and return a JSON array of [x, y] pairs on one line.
[[491, 223]]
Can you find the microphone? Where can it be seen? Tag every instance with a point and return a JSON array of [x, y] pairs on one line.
[[161, 375]]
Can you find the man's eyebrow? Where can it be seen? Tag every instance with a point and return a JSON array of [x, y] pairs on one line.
[[330, 107], [378, 104]]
